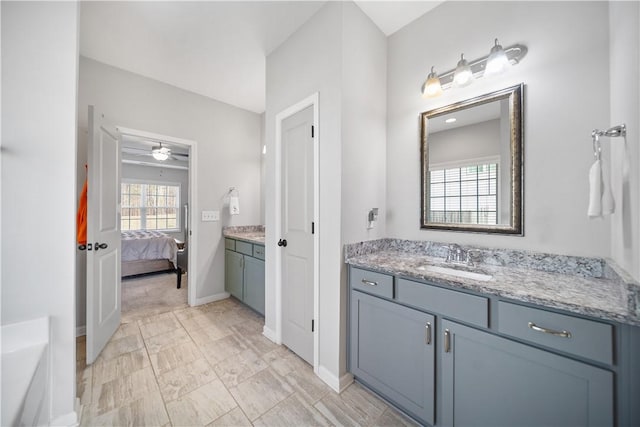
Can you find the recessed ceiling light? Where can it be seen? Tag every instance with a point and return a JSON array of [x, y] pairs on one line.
[[450, 120]]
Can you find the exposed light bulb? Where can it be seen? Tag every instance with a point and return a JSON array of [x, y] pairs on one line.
[[497, 61], [463, 75], [432, 87]]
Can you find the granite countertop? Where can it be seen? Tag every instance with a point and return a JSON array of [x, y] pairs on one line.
[[598, 292], [248, 233]]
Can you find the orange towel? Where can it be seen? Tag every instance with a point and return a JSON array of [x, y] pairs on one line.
[[81, 217]]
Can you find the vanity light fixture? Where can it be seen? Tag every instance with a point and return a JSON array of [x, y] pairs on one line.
[[160, 153], [462, 76], [432, 87], [498, 60]]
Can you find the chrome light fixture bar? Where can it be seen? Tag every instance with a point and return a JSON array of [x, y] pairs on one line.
[[514, 55]]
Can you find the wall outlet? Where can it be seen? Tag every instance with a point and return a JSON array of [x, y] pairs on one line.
[[210, 216]]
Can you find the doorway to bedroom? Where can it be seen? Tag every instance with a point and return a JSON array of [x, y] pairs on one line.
[[155, 221]]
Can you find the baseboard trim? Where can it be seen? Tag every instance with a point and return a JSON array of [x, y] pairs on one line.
[[270, 334], [81, 330], [212, 298], [78, 408], [337, 384], [68, 420]]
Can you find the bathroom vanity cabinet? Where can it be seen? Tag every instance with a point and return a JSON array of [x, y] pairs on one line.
[[244, 272], [454, 358]]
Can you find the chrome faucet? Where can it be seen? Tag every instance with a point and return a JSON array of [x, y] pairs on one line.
[[456, 254]]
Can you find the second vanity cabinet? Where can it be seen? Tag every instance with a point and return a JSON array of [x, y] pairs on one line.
[[244, 272], [434, 353], [493, 381]]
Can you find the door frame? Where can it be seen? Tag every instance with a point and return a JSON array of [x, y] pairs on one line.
[[192, 220], [312, 100]]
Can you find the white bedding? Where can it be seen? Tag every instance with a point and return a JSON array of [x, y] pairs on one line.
[[148, 245]]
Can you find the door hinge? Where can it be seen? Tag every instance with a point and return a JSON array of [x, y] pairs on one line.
[[312, 131], [312, 325], [313, 228]]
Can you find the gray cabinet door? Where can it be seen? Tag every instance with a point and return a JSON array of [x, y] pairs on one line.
[[492, 381], [392, 350], [254, 284], [233, 273]]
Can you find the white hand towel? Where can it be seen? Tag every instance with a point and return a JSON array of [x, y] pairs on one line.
[[234, 205], [595, 190], [608, 202]]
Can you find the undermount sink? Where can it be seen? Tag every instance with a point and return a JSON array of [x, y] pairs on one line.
[[455, 272]]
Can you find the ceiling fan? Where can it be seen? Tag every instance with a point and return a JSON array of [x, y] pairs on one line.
[[159, 152]]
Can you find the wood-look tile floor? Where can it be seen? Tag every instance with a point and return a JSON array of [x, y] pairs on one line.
[[211, 366]]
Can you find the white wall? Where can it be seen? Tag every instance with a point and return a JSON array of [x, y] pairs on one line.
[[227, 148], [39, 78], [341, 55], [465, 142], [364, 138], [624, 24], [364, 112], [566, 96]]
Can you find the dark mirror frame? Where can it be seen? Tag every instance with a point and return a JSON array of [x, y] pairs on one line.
[[515, 95]]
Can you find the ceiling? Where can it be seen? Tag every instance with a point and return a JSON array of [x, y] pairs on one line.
[[214, 48], [465, 117]]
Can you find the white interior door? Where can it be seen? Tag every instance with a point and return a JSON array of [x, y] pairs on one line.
[[103, 234], [297, 230]]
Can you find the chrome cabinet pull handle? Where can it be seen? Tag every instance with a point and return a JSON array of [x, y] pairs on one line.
[[562, 334], [369, 282], [427, 333], [447, 341]]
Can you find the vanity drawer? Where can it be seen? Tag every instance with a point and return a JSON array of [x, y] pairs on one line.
[[584, 338], [457, 305], [230, 244], [244, 248], [372, 283], [258, 251]]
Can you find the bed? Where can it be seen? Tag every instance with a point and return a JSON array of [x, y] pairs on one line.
[[145, 252]]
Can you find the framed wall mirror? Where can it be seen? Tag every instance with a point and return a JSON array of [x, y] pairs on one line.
[[472, 164]]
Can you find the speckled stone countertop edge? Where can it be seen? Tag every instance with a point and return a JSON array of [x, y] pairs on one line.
[[482, 288], [553, 263], [613, 278], [247, 233], [616, 273]]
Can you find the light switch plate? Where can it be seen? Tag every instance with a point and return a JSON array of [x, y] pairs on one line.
[[210, 216]]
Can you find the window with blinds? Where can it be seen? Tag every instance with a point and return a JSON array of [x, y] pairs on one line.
[[148, 206], [465, 194]]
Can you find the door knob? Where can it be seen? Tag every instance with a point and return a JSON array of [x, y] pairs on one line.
[[97, 246], [282, 242]]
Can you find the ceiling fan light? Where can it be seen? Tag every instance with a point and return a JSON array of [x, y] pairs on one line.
[[160, 153], [497, 62]]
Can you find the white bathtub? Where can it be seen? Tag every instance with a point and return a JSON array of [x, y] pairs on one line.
[[25, 373]]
